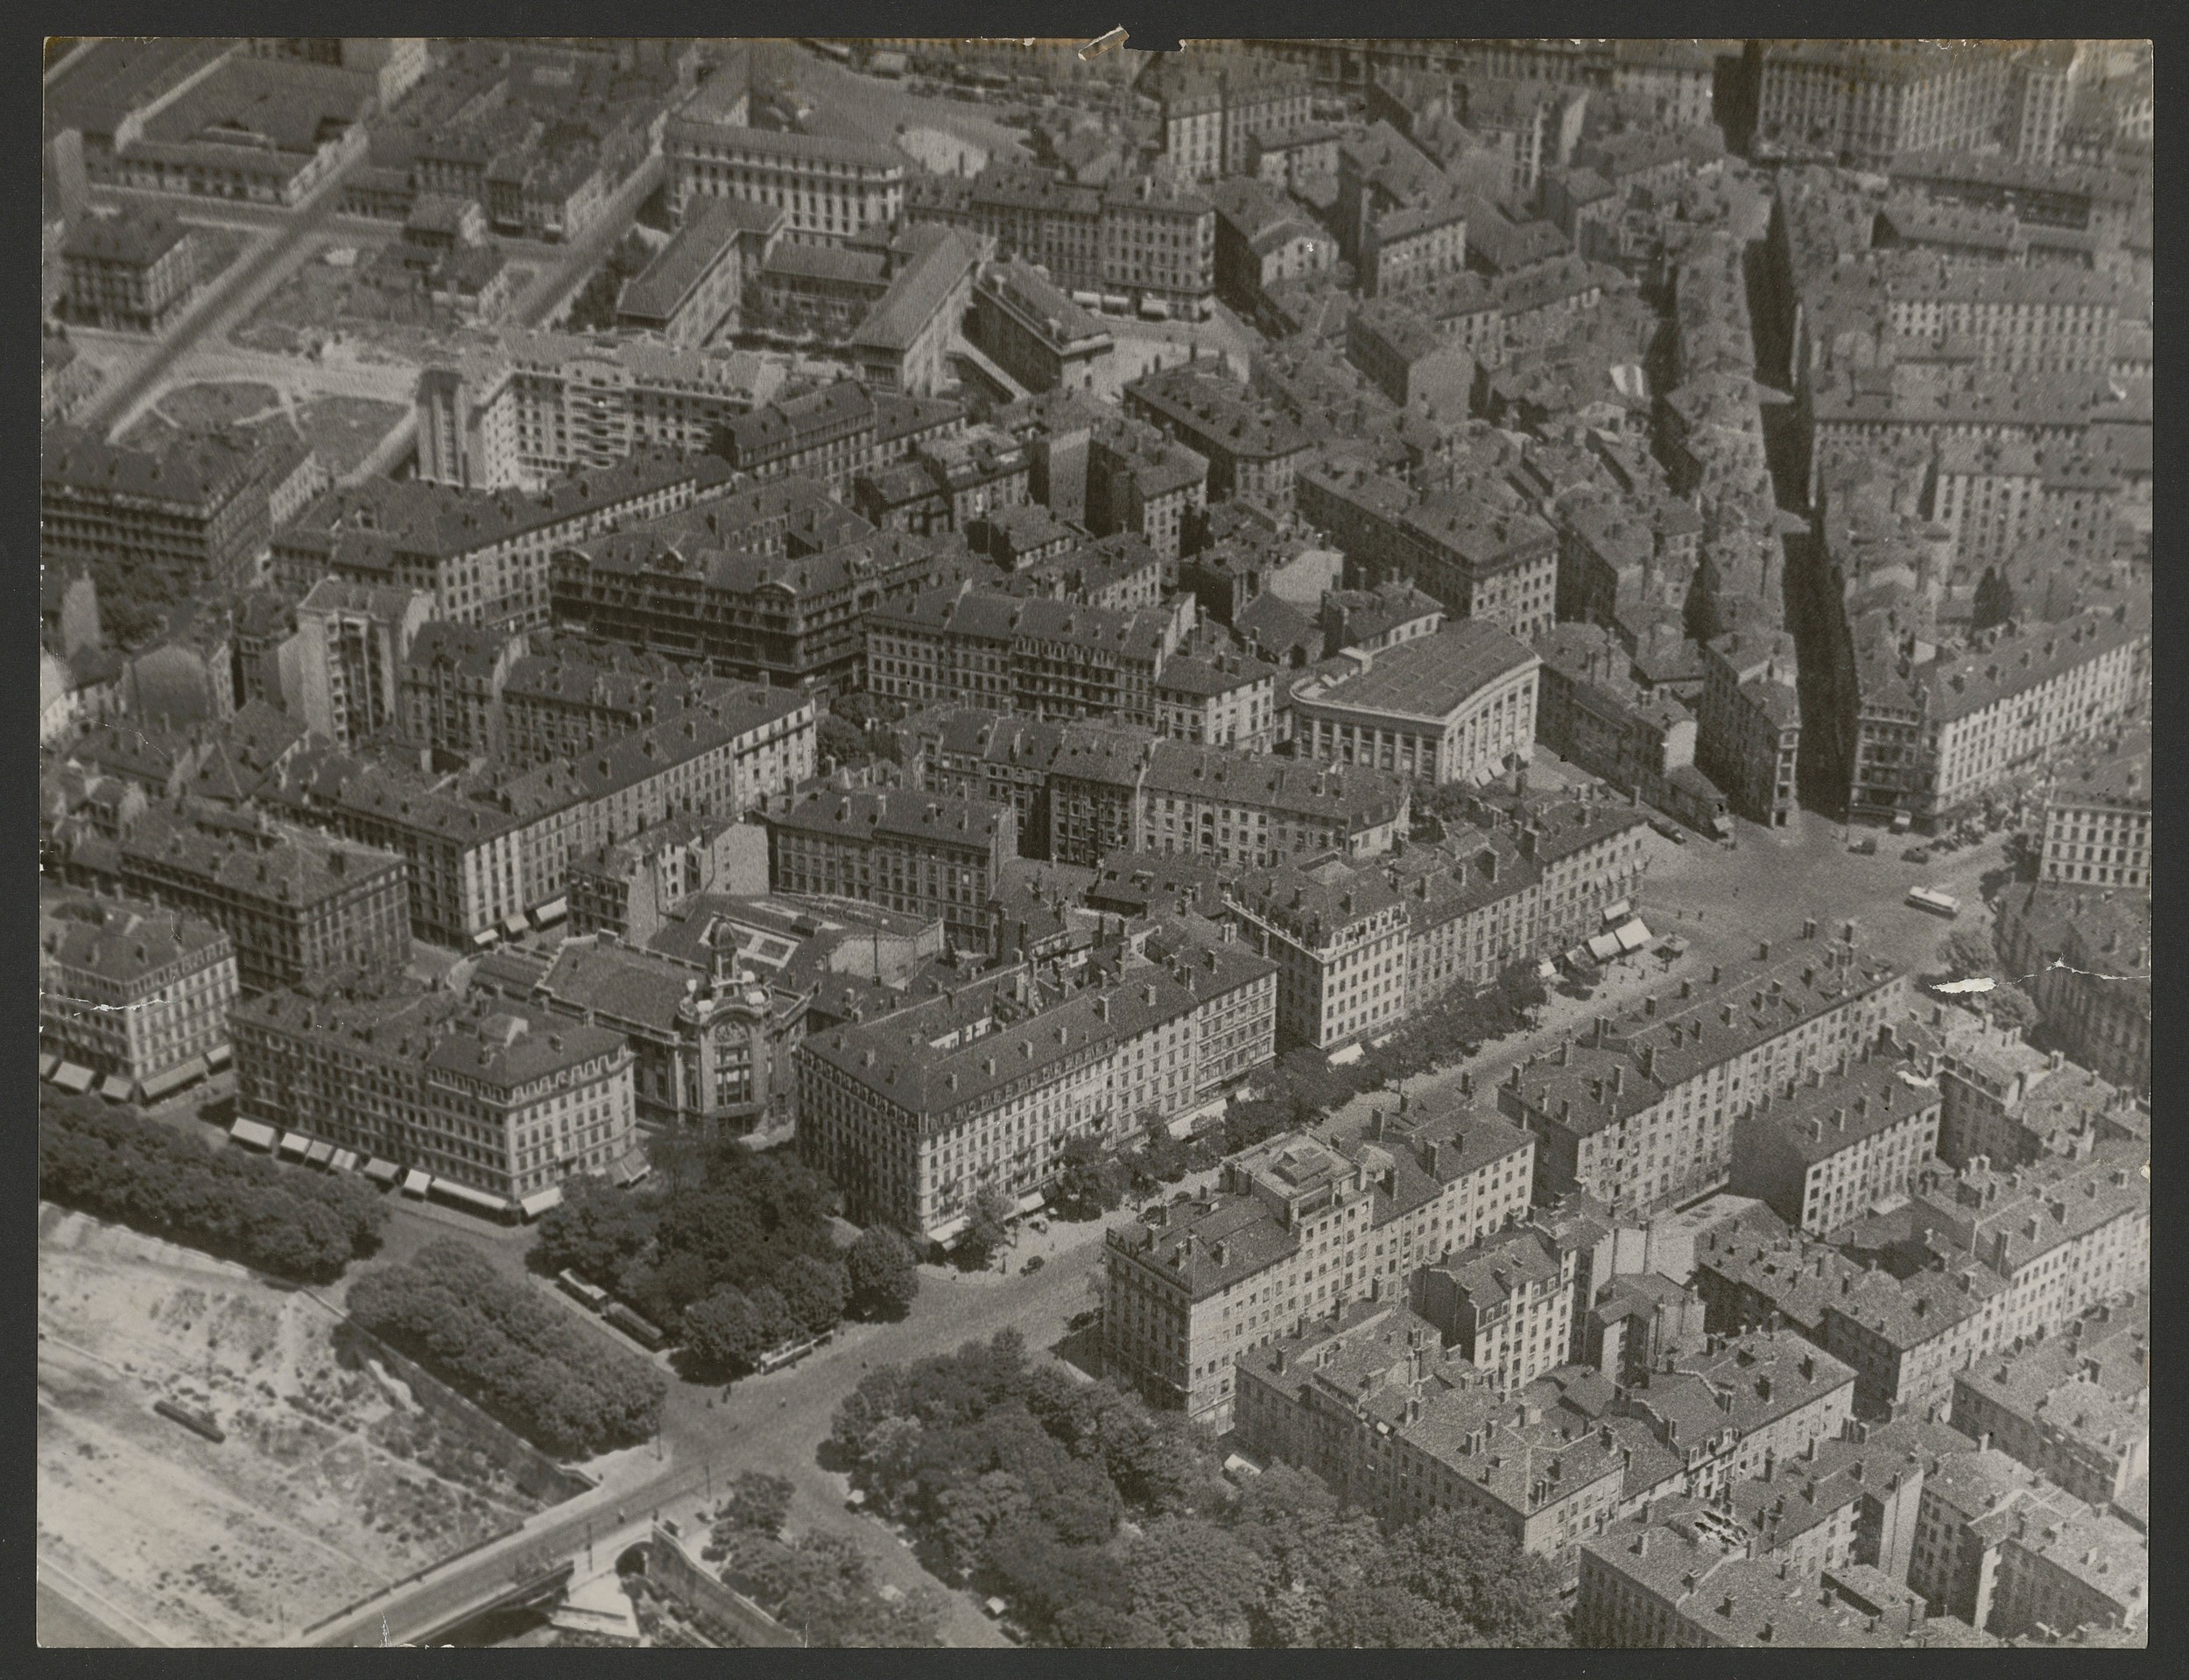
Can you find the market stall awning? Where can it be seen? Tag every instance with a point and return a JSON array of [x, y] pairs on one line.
[[321, 1153], [514, 924], [1546, 970], [632, 1168], [554, 911], [74, 1079], [540, 1200], [468, 1197], [1615, 914], [384, 1172], [117, 1088], [174, 1079], [487, 940], [295, 1143], [344, 1161], [416, 1183], [950, 1230], [1633, 935], [46, 1064], [256, 1133], [218, 1057], [1604, 947], [1032, 1202]]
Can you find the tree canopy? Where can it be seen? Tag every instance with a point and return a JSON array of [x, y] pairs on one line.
[[1104, 1522], [113, 1162]]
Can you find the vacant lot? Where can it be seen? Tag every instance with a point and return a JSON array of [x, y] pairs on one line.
[[341, 430], [330, 1483]]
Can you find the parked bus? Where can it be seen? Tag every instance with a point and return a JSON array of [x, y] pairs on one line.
[[592, 1294], [198, 1423], [646, 1334], [789, 1353], [1937, 902]]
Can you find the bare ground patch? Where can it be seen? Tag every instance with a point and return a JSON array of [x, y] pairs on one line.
[[329, 1482]]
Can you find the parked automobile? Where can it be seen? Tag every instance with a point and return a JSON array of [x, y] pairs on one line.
[[1867, 847], [1034, 1263], [1916, 855], [1672, 831]]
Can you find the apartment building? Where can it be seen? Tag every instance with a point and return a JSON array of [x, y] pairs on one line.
[[527, 407], [128, 273], [2061, 1235], [2075, 1407], [2013, 1104], [200, 511], [1253, 450], [449, 689], [1748, 723], [792, 621], [487, 847], [1865, 102], [1459, 706], [132, 992], [2049, 319], [1820, 1150], [1031, 330], [2098, 817], [695, 284], [1339, 939], [913, 1116], [919, 854], [1220, 700], [1037, 656], [1396, 1424], [1213, 103], [1141, 481], [483, 556], [626, 886], [1639, 1111], [1254, 810], [296, 905], [2019, 693], [341, 671], [2091, 952], [829, 189], [1297, 1230], [495, 1104], [1504, 1305]]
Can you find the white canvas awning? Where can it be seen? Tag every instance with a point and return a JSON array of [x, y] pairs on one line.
[[382, 1172], [1032, 1202], [514, 924], [46, 1064], [218, 1057], [174, 1079], [1604, 947], [321, 1153], [255, 1133], [295, 1143], [344, 1161], [554, 911], [416, 1183], [1615, 914], [1633, 935], [468, 1197], [117, 1088], [487, 940], [950, 1230], [540, 1200], [74, 1079]]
